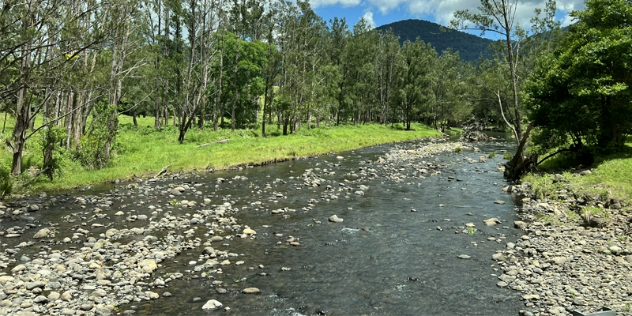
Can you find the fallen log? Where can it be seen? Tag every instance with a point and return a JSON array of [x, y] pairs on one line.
[[163, 171]]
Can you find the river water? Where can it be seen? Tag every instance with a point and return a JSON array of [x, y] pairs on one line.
[[383, 259]]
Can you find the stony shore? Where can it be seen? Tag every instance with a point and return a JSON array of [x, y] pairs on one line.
[[575, 254]]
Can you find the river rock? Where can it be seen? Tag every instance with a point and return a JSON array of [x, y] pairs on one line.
[[520, 224], [42, 233], [212, 305], [251, 290], [492, 221], [335, 219], [53, 296], [66, 296], [148, 266], [464, 257], [249, 231]]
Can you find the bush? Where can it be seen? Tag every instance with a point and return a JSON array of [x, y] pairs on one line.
[[51, 136], [507, 156], [92, 146], [6, 183], [457, 150], [492, 155]]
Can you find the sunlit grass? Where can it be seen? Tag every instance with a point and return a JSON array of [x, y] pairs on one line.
[[611, 176], [144, 151]]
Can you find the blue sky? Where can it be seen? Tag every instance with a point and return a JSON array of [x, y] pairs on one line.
[[380, 12]]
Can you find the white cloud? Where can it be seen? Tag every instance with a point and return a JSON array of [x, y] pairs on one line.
[[443, 10], [368, 17], [344, 3]]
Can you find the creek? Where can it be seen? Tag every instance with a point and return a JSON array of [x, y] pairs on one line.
[[396, 252]]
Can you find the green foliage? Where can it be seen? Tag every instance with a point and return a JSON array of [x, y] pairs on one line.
[[51, 137], [581, 93], [92, 146], [491, 155], [457, 149], [6, 182], [507, 156]]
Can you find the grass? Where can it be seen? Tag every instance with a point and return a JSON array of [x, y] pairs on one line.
[[611, 177], [143, 151]]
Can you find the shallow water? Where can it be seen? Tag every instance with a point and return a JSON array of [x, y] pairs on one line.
[[382, 260]]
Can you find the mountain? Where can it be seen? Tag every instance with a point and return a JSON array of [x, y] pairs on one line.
[[469, 46]]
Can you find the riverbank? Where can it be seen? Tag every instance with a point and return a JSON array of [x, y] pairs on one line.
[[142, 151], [576, 252]]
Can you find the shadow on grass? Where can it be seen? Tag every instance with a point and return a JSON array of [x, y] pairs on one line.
[[569, 160]]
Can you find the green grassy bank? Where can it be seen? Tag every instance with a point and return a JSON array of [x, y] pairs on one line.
[[143, 151], [610, 177]]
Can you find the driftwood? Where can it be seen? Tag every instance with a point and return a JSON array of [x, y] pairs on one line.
[[472, 132], [217, 142], [163, 171]]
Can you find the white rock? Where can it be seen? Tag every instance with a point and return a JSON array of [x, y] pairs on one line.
[[212, 305]]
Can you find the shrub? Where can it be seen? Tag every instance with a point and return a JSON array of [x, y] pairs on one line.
[[492, 155], [507, 156], [6, 183]]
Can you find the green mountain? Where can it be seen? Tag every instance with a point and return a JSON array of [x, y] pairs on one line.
[[470, 47]]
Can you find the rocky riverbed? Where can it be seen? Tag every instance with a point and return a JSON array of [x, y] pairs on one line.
[[575, 254], [396, 229]]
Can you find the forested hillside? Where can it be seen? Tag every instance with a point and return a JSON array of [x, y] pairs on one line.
[[470, 47]]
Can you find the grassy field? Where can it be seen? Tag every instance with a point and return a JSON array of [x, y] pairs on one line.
[[611, 177], [143, 151]]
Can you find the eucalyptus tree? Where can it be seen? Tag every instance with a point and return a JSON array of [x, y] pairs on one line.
[[38, 38], [201, 22], [385, 64], [359, 56], [414, 78], [448, 87], [269, 27], [339, 36]]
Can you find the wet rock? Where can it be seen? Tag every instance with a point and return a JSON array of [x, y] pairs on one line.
[[148, 266], [335, 219], [464, 257], [212, 305], [499, 202], [492, 221], [251, 290], [42, 233], [249, 231]]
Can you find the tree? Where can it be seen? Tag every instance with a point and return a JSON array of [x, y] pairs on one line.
[[581, 94], [499, 16], [412, 93]]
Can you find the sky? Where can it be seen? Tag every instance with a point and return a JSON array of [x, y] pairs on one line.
[[380, 12]]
